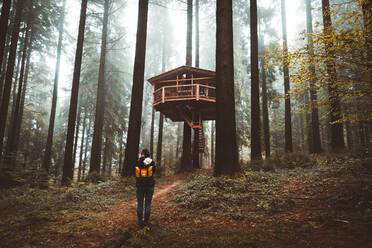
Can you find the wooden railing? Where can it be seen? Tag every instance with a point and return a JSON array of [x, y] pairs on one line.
[[184, 92]]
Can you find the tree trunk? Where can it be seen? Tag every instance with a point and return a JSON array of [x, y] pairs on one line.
[[49, 143], [9, 150], [255, 87], [95, 158], [316, 142], [134, 128], [197, 45], [288, 121], [82, 145], [212, 142], [265, 111], [367, 21], [227, 161], [5, 10], [22, 103], [337, 132], [68, 166], [9, 73], [186, 160]]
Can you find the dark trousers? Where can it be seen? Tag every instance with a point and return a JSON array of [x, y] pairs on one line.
[[144, 193]]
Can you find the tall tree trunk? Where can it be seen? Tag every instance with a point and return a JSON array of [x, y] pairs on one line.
[[14, 100], [134, 127], [196, 159], [68, 166], [255, 87], [213, 128], [5, 10], [95, 158], [159, 147], [316, 142], [288, 121], [265, 111], [9, 150], [367, 21], [337, 132], [227, 161], [4, 64], [186, 160], [22, 103], [152, 132], [82, 145], [49, 142], [9, 73], [197, 45]]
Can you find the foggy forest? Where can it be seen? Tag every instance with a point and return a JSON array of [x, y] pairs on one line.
[[235, 123]]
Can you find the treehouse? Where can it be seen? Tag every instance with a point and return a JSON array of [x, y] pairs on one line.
[[186, 94]]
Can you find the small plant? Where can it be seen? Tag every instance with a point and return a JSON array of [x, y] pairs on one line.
[[94, 177]]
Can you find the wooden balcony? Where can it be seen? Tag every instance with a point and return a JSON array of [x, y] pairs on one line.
[[185, 92]]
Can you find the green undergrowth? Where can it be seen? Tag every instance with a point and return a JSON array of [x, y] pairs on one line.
[[41, 217], [257, 191]]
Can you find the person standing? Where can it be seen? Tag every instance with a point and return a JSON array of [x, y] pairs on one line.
[[145, 184]]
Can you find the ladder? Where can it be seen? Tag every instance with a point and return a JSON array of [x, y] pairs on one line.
[[194, 119]]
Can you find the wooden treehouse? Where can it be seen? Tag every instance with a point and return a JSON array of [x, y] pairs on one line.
[[186, 94]]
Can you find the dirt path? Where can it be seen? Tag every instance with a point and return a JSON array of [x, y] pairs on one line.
[[125, 213]]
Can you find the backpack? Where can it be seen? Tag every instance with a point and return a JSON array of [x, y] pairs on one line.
[[144, 172]]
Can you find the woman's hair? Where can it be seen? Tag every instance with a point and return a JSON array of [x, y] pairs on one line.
[[145, 152]]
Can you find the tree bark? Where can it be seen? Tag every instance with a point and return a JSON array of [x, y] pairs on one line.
[[316, 142], [95, 158], [213, 128], [186, 160], [5, 10], [288, 121], [22, 104], [227, 161], [367, 21], [337, 132], [134, 128], [265, 111], [68, 166], [9, 73], [197, 45], [49, 142], [9, 150], [255, 87]]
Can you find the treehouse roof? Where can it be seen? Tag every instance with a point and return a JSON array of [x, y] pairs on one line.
[[172, 74]]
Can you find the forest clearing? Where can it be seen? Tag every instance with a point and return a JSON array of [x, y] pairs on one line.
[[317, 202]]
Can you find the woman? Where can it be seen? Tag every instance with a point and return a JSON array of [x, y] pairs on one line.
[[145, 186]]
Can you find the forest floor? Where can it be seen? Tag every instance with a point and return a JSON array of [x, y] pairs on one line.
[[318, 202]]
